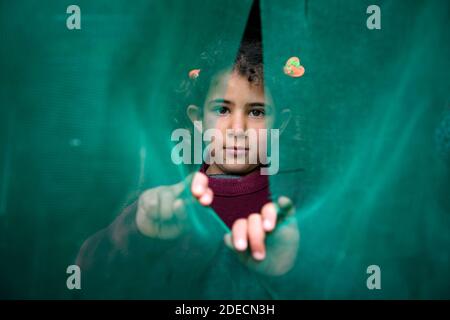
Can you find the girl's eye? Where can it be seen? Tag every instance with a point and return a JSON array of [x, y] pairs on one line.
[[257, 113], [221, 110]]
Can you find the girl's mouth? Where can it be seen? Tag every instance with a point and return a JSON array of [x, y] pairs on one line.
[[236, 151]]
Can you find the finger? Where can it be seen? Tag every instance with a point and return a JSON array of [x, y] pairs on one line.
[[269, 216], [256, 236], [179, 209], [149, 203], [180, 193], [228, 240], [180, 187], [166, 200], [239, 234], [199, 184], [147, 209], [169, 224], [285, 202], [285, 207], [207, 197], [175, 223]]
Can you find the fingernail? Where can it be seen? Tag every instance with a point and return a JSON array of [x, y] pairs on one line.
[[198, 189], [259, 255], [240, 244], [227, 238], [267, 225], [206, 198]]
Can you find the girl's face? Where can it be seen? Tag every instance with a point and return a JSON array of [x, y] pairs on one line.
[[235, 106]]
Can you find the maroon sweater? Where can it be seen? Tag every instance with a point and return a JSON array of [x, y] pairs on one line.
[[237, 197]]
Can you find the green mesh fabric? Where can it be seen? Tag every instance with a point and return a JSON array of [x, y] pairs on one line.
[[86, 118]]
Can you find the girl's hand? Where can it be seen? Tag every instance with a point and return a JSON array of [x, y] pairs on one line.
[[268, 241], [200, 189], [161, 211]]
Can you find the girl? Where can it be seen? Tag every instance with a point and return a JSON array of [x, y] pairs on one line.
[[264, 234], [233, 101]]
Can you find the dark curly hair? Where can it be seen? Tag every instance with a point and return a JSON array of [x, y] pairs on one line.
[[248, 63]]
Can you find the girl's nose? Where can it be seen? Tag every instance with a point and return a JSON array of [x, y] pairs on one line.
[[238, 122]]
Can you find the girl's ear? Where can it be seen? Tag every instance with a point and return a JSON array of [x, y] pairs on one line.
[[285, 117], [193, 113]]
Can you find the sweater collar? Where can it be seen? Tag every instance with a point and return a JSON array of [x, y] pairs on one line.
[[250, 183]]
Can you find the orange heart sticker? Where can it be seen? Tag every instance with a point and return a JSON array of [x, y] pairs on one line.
[[293, 68], [194, 73]]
